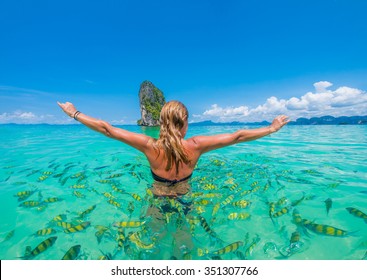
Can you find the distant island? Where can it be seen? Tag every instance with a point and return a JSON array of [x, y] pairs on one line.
[[325, 120]]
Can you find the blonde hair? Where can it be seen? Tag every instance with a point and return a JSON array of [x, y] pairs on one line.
[[172, 119]]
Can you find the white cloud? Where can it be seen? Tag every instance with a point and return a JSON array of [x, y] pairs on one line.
[[344, 101], [21, 117]]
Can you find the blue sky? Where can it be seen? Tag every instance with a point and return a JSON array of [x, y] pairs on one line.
[[226, 60]]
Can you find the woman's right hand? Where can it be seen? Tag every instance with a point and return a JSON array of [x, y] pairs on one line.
[[68, 108], [279, 122]]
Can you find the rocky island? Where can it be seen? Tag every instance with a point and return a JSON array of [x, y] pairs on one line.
[[151, 102]]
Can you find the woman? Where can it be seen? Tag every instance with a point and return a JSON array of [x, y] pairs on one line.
[[172, 158]]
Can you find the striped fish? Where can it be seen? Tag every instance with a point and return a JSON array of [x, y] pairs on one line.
[[241, 203], [64, 225], [324, 229], [72, 253], [227, 200], [206, 227], [251, 247], [229, 248], [86, 212], [77, 228], [297, 219], [137, 241], [131, 224], [23, 195], [30, 203], [43, 246], [281, 212], [116, 189], [238, 216], [357, 213], [45, 231], [114, 203]]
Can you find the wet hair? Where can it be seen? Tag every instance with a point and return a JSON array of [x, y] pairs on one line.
[[172, 119]]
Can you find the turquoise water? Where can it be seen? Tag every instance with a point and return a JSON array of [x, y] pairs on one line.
[[69, 169]]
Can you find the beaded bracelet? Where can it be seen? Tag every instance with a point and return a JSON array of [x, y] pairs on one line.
[[76, 115]]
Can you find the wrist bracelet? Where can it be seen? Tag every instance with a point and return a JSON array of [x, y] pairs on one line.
[[76, 115]]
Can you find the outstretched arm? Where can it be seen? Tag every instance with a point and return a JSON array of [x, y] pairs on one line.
[[136, 140], [208, 143]]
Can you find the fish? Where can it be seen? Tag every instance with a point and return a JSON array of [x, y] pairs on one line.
[[59, 218], [118, 189], [251, 247], [130, 207], [52, 200], [296, 217], [202, 202], [137, 241], [22, 195], [294, 245], [208, 187], [298, 201], [136, 197], [64, 225], [42, 178], [108, 195], [227, 200], [120, 238], [115, 175], [9, 235], [78, 194], [131, 224], [114, 203], [100, 233], [72, 253], [77, 228], [241, 203], [77, 186], [43, 246], [324, 229], [30, 203], [206, 227], [357, 213], [328, 205], [228, 249], [281, 212], [45, 231], [238, 216], [87, 211]]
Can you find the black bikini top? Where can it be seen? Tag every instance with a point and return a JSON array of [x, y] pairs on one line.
[[170, 182]]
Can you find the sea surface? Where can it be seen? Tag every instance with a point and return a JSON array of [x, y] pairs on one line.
[[297, 194]]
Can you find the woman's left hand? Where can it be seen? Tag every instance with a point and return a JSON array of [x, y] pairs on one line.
[[68, 108]]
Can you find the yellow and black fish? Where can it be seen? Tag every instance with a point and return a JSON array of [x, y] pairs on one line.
[[114, 203], [23, 195], [45, 231], [30, 203], [251, 247], [64, 225], [134, 237], [72, 253], [77, 228], [357, 213], [229, 248], [43, 246], [86, 212], [131, 224], [281, 212], [297, 219], [206, 227], [324, 229]]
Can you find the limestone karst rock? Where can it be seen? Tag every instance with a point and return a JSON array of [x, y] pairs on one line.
[[151, 102]]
